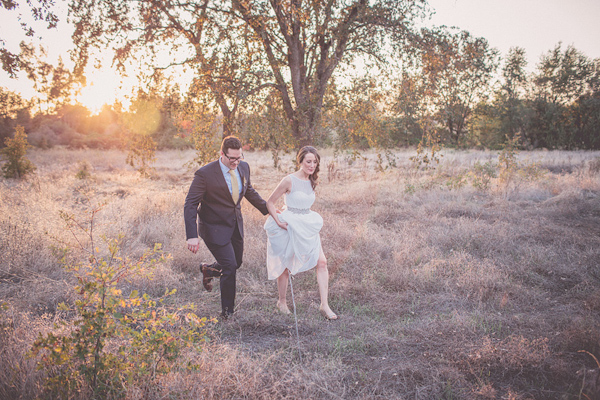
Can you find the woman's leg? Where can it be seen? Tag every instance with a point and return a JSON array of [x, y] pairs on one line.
[[282, 284], [323, 282]]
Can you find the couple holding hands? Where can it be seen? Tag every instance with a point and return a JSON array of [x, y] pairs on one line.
[[213, 211]]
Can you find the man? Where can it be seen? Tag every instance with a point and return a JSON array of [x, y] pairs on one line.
[[213, 201]]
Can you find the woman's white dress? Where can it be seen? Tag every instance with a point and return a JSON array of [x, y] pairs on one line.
[[298, 247]]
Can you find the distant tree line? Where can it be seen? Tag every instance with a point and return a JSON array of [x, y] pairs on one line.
[[450, 88], [457, 92], [556, 107]]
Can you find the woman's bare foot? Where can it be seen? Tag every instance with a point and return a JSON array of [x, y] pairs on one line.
[[327, 313], [283, 308]]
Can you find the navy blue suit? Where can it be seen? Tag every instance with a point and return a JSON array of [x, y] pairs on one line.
[[210, 212]]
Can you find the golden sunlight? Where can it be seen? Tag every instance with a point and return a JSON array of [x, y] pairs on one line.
[[104, 87]]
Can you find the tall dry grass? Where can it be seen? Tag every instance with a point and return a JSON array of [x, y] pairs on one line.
[[444, 290]]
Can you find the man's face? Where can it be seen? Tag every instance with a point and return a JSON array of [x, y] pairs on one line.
[[232, 159]]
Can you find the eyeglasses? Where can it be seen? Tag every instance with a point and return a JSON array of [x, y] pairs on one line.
[[234, 159]]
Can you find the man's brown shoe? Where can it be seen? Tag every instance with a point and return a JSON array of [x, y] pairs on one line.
[[207, 277]]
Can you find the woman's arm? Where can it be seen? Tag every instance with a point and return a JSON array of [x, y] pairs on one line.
[[284, 187]]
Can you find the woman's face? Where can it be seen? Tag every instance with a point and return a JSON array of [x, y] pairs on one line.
[[309, 164]]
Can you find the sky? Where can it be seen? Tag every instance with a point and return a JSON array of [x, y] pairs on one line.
[[535, 25]]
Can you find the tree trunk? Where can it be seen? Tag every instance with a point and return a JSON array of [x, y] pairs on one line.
[[304, 130], [228, 124]]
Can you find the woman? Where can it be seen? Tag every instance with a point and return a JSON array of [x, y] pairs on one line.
[[293, 240]]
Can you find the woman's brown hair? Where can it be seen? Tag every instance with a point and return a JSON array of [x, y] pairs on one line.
[[300, 157]]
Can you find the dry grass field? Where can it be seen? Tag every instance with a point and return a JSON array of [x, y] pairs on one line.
[[448, 286]]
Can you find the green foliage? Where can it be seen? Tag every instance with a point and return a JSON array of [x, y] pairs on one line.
[[410, 188], [16, 165], [206, 146], [148, 119], [557, 107], [444, 75], [116, 340], [510, 102], [196, 123], [384, 163], [142, 153], [84, 171], [428, 152], [55, 85], [510, 171], [270, 130], [409, 109], [507, 160], [481, 175], [531, 172], [356, 116], [563, 76], [14, 110], [485, 127], [457, 181], [457, 69]]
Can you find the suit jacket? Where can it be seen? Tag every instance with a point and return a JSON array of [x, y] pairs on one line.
[[209, 209]]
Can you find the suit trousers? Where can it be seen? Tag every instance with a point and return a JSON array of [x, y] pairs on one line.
[[228, 259]]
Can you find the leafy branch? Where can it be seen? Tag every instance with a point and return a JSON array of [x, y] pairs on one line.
[[115, 340]]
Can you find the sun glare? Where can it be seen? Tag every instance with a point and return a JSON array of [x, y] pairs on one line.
[[104, 87]]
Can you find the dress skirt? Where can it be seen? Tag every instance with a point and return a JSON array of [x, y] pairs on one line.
[[297, 248]]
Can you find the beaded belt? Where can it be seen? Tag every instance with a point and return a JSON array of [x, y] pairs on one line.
[[299, 210]]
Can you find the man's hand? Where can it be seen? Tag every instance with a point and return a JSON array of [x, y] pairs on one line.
[[193, 245]]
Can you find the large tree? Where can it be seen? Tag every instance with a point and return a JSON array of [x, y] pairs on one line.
[[565, 99], [305, 41], [300, 43], [563, 76], [457, 69], [511, 97]]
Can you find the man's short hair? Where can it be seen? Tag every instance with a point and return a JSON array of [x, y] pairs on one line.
[[230, 142]]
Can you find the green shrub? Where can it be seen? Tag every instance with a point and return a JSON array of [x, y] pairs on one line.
[[512, 173], [531, 172], [84, 171], [117, 340], [507, 160], [16, 165], [428, 152], [458, 181], [481, 175]]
